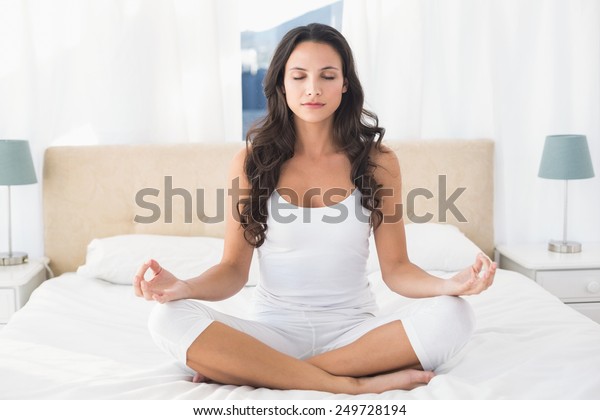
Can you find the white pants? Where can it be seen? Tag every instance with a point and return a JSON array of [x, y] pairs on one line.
[[436, 327]]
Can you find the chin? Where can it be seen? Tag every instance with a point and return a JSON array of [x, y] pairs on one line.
[[314, 119]]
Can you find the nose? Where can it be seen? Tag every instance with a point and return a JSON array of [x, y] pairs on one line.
[[313, 88]]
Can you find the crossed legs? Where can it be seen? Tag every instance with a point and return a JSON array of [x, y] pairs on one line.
[[373, 357], [229, 356]]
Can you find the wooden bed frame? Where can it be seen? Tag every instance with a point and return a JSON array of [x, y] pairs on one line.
[[99, 191]]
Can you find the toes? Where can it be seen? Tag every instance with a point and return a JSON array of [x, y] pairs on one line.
[[421, 377], [198, 378]]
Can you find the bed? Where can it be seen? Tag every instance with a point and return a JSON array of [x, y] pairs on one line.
[[83, 333]]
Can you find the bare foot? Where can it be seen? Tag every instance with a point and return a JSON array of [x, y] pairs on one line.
[[199, 378], [406, 379]]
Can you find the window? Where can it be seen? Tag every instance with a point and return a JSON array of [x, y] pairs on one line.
[[259, 42]]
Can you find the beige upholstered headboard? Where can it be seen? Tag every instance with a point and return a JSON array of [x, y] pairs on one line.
[[98, 191]]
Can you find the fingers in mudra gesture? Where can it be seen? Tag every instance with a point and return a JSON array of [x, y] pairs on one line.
[[476, 278], [162, 286]]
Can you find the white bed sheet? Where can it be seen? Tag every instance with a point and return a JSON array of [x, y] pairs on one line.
[[82, 338]]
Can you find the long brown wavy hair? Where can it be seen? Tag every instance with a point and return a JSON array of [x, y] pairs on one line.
[[355, 132]]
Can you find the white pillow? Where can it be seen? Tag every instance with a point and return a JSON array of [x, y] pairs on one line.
[[117, 258], [433, 246]]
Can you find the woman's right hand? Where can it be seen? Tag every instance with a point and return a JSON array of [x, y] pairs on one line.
[[162, 287]]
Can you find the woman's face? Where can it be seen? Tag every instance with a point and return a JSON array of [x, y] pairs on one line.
[[314, 82]]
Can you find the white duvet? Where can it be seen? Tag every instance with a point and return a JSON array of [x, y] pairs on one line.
[[82, 338]]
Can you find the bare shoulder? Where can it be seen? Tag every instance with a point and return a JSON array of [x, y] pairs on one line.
[[237, 167], [387, 166], [240, 157]]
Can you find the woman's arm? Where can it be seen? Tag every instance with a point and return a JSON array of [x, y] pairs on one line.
[[220, 281], [400, 275]]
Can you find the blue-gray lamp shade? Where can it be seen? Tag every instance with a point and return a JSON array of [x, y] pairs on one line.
[[16, 165], [566, 156]]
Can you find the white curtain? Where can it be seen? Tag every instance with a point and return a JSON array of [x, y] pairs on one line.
[[76, 72], [144, 71], [510, 70]]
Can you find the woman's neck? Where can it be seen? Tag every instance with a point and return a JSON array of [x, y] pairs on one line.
[[314, 139]]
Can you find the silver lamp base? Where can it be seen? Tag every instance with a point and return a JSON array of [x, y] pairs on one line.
[[13, 258], [564, 247]]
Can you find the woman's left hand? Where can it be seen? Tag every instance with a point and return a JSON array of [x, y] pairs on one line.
[[474, 279]]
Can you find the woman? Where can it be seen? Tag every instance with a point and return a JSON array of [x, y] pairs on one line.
[[317, 182]]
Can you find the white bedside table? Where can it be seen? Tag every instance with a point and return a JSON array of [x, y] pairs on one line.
[[16, 284], [574, 278]]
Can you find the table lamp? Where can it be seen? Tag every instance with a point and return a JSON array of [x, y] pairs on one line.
[[16, 168], [566, 157]]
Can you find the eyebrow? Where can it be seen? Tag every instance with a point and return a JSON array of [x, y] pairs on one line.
[[324, 68]]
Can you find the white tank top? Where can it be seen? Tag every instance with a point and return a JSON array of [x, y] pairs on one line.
[[314, 258]]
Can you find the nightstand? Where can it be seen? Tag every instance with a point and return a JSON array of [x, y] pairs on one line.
[[574, 278], [16, 284]]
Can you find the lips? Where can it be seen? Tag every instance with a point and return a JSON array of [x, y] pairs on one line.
[[313, 105]]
